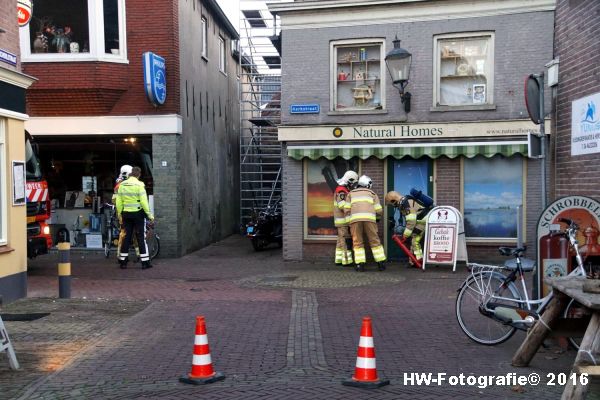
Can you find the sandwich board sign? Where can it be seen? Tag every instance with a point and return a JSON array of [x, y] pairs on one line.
[[6, 345], [444, 237]]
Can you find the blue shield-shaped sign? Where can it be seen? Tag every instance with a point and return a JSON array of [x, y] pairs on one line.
[[155, 78]]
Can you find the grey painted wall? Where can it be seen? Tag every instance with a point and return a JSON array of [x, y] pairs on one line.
[[200, 204], [523, 44]]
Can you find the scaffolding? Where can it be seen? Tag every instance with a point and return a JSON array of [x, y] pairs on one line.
[[260, 109]]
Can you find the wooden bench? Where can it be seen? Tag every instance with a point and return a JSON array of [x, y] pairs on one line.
[[588, 357]]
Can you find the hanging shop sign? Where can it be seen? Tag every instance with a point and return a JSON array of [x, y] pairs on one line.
[[444, 237], [553, 255], [305, 109], [24, 12], [155, 78], [421, 131], [585, 125], [8, 58]]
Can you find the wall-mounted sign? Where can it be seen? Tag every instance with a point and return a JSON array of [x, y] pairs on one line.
[[23, 12], [155, 78], [7, 57], [585, 125], [444, 237], [305, 109], [553, 254], [18, 168], [421, 131]]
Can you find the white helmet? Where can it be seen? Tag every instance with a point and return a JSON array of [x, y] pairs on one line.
[[365, 182], [126, 170], [349, 179]]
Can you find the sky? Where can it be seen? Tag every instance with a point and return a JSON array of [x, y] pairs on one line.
[[231, 8]]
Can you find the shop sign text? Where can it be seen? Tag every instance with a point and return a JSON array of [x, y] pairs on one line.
[[585, 125]]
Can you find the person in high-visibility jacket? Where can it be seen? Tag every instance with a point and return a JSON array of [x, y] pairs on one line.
[[123, 175], [415, 215], [343, 247], [133, 209], [363, 209]]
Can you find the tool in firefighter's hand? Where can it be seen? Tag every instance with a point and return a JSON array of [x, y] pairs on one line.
[[400, 242]]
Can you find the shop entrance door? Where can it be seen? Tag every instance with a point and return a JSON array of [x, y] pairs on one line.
[[404, 175]]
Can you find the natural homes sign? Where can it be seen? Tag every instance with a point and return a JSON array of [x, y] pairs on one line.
[[439, 130]]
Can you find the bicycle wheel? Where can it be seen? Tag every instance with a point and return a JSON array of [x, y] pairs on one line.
[[108, 242], [153, 245], [475, 292], [575, 310]]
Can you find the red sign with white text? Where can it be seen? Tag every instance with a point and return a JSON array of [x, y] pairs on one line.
[[23, 12]]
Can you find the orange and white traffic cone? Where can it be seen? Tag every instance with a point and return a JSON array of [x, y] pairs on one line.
[[202, 369], [365, 373]]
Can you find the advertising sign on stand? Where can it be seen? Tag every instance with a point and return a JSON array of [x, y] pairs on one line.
[[444, 237]]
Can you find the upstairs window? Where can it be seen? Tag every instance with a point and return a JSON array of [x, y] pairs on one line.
[[464, 70], [204, 27], [357, 73], [222, 55], [75, 30]]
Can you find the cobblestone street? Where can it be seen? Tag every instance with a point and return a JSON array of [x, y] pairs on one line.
[[276, 330]]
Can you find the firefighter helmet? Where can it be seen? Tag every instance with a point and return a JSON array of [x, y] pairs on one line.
[[126, 170], [349, 179], [393, 198], [365, 182]]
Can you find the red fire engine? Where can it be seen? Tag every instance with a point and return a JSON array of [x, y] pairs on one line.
[[38, 204]]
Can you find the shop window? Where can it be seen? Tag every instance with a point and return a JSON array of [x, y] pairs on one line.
[[76, 30], [320, 177], [222, 55], [493, 189], [204, 38], [3, 186], [357, 73], [464, 70]]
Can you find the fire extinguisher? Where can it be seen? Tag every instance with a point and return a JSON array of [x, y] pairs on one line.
[[554, 256]]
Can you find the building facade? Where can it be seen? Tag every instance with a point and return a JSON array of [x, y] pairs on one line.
[[13, 211], [464, 139], [576, 145], [97, 106]]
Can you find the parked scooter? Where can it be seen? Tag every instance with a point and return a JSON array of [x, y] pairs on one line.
[[265, 227]]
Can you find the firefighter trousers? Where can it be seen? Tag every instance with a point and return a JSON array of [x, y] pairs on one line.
[[417, 237], [343, 255], [134, 222], [360, 228]]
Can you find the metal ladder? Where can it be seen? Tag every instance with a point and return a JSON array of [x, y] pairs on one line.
[[260, 109]]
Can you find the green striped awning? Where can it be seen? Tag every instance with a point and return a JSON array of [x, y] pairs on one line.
[[414, 150]]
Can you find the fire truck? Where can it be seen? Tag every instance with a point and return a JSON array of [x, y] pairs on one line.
[[38, 203]]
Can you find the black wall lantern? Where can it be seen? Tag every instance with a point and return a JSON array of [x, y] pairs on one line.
[[398, 64]]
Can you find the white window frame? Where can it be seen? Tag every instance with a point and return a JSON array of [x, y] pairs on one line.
[[334, 45], [437, 61], [204, 41], [3, 186], [96, 39], [222, 55]]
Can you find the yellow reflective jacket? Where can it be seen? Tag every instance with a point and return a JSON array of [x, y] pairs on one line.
[[339, 201], [131, 197], [362, 204]]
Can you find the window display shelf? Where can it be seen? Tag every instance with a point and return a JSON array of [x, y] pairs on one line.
[[463, 76], [356, 80]]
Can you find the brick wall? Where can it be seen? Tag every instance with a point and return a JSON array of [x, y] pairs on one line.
[[101, 88], [9, 40], [577, 34], [293, 207]]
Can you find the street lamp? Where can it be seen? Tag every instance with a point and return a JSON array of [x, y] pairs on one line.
[[398, 63]]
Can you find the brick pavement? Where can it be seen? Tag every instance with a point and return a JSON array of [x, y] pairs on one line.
[[277, 330]]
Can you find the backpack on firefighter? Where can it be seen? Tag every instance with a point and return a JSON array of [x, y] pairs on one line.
[[422, 199]]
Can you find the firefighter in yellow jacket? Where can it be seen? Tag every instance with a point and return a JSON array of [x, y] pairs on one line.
[[343, 252], [363, 209], [133, 209], [415, 214]]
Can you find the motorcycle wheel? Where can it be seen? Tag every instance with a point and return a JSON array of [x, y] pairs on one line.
[[259, 244]]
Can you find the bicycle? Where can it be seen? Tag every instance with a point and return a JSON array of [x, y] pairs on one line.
[[489, 292], [113, 230]]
